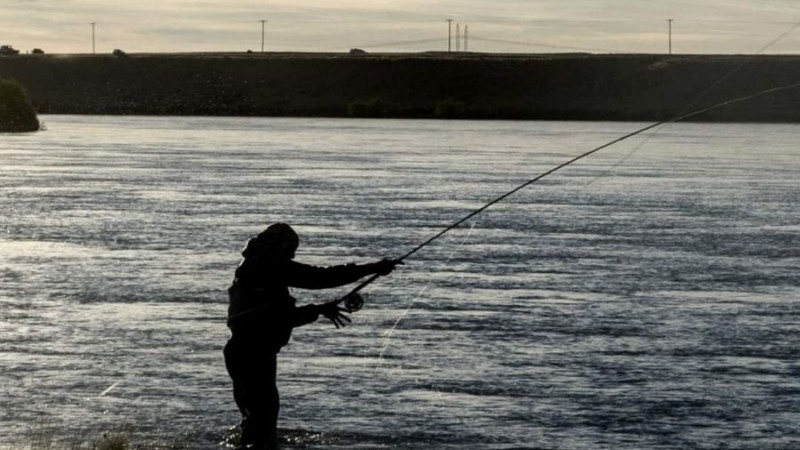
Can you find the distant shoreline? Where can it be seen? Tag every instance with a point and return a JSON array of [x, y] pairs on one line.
[[574, 86]]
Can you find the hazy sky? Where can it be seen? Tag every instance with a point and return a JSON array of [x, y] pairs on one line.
[[700, 26]]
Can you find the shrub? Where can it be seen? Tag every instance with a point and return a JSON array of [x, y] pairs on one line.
[[449, 109], [368, 108], [16, 111], [8, 50]]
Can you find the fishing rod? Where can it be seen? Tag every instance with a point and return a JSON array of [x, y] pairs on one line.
[[354, 302]]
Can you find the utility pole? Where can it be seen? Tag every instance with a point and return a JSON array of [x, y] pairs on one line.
[[466, 38], [93, 47], [449, 33], [669, 25], [262, 34], [458, 37]]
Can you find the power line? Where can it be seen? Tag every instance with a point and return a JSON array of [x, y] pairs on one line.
[[540, 44], [397, 43]]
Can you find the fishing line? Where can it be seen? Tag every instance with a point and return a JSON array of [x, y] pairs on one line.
[[678, 117], [110, 388], [699, 97], [738, 67], [353, 302], [386, 342], [681, 116], [696, 100]]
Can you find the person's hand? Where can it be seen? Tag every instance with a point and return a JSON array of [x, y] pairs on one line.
[[333, 312], [386, 266]]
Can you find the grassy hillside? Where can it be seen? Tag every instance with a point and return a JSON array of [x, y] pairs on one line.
[[480, 86]]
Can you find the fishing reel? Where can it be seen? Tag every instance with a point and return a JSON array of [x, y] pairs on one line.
[[353, 302]]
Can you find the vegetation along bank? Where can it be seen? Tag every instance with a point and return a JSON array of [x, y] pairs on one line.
[[424, 85], [16, 112]]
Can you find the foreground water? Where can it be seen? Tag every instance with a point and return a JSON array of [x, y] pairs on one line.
[[645, 298]]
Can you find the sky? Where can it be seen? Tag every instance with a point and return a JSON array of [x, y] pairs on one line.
[[512, 26]]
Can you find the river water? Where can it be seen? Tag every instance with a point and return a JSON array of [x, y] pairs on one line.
[[644, 298]]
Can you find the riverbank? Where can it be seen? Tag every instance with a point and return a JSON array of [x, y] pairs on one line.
[[427, 85]]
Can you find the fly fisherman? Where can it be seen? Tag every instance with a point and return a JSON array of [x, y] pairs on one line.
[[262, 314]]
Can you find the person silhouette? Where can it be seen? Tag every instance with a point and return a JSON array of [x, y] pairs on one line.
[[262, 314]]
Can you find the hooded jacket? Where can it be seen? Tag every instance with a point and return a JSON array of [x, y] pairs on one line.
[[261, 311]]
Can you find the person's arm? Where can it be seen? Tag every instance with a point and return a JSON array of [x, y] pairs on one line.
[[304, 315], [305, 276]]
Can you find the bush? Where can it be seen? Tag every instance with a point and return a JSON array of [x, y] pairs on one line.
[[16, 111], [8, 50], [368, 108], [449, 109]]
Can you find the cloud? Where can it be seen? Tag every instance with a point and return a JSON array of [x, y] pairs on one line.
[[717, 26]]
